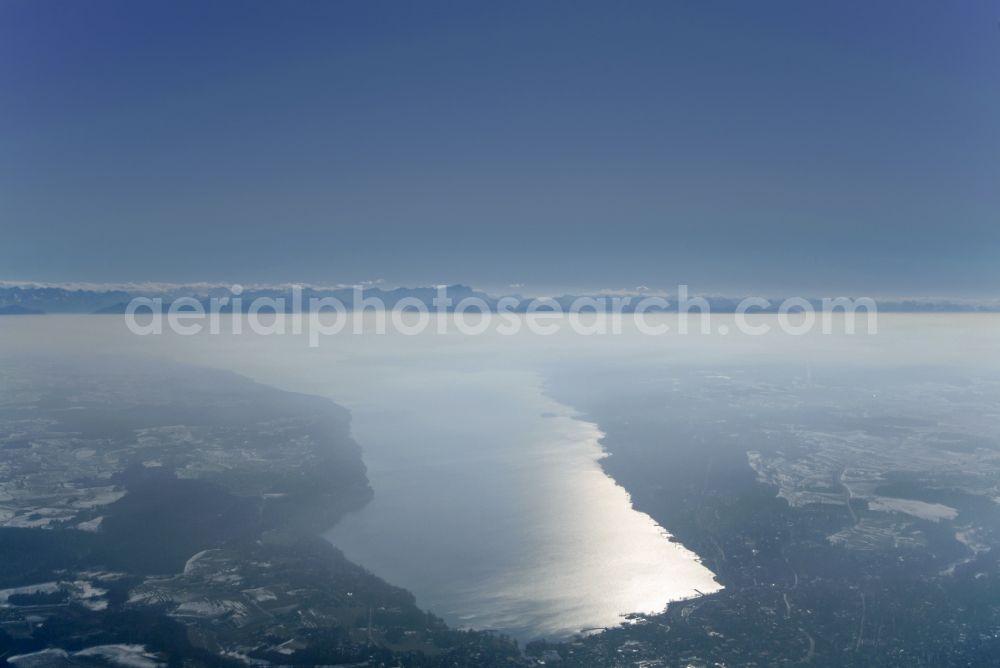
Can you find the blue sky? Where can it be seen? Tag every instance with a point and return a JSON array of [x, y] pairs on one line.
[[739, 146]]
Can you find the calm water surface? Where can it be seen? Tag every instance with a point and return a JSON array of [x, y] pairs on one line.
[[491, 507]]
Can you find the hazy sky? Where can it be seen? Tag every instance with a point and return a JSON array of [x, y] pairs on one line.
[[733, 146]]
